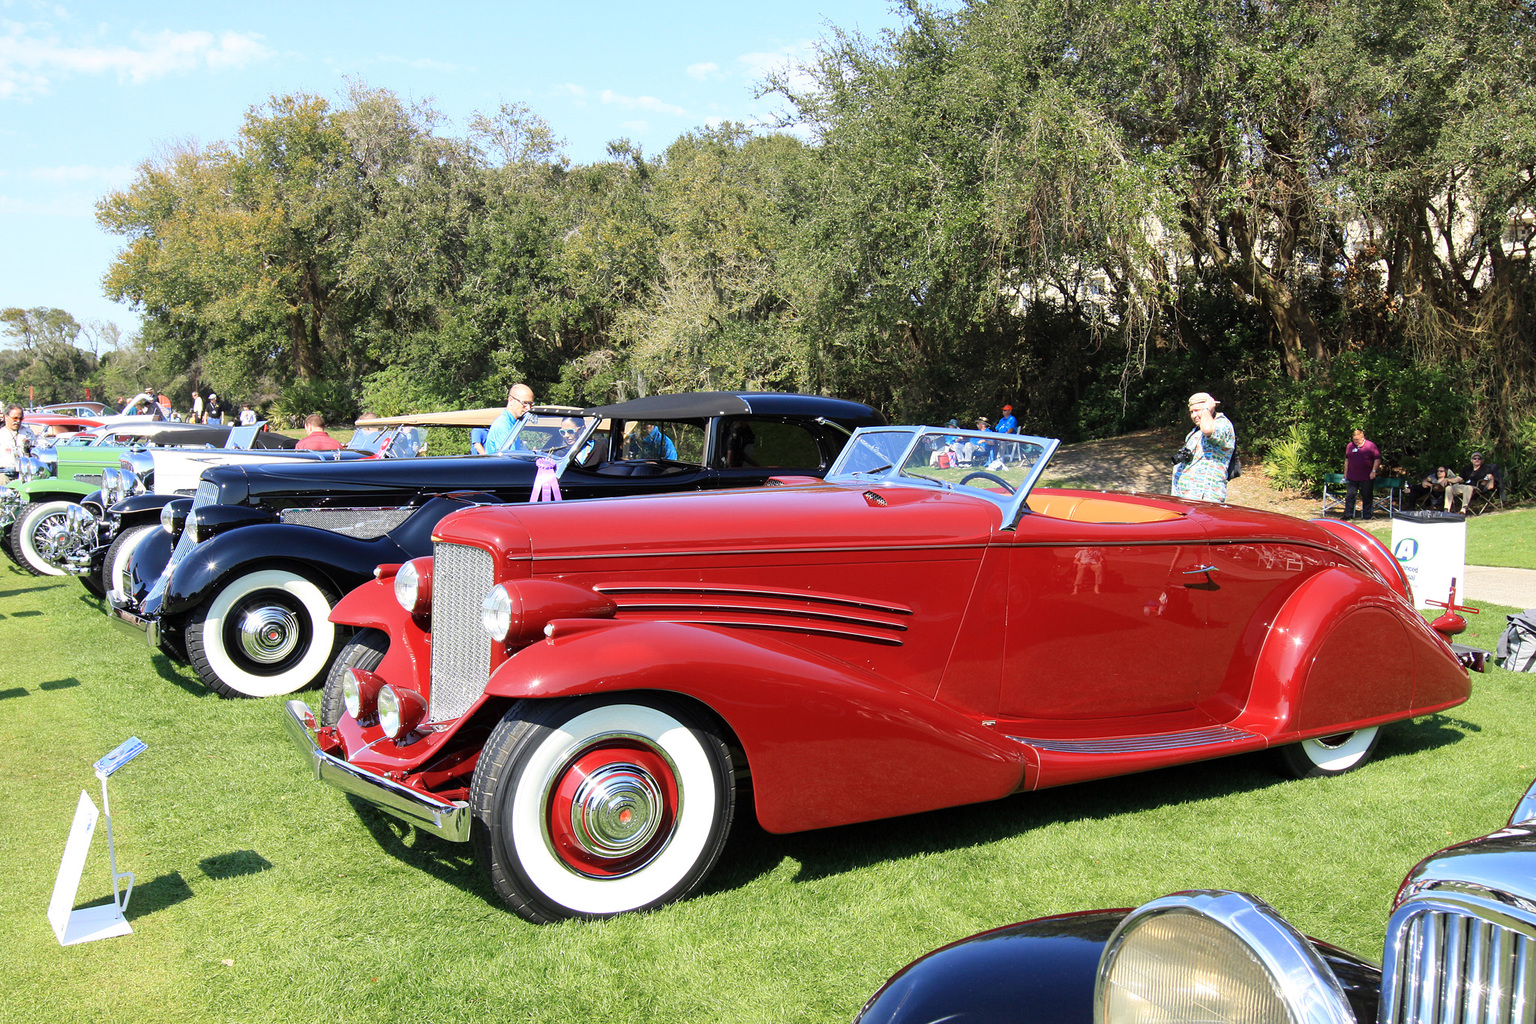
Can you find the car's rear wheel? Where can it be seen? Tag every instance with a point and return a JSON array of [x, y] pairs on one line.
[[115, 569], [364, 651], [262, 634], [1328, 755], [29, 536], [589, 808]]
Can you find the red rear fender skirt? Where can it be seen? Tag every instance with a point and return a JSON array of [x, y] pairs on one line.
[[1344, 650], [827, 744]]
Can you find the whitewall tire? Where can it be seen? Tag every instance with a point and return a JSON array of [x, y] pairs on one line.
[[262, 634], [119, 560], [27, 534], [1329, 755], [589, 808]]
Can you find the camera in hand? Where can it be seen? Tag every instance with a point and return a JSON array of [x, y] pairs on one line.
[[1181, 455]]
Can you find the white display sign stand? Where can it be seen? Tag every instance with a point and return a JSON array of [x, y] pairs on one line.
[[1432, 549], [91, 923]]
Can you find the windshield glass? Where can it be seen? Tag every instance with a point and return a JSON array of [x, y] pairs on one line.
[[1002, 467], [546, 434]]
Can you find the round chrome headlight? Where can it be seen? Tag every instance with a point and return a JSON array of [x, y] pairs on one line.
[[413, 586], [110, 487], [173, 517], [1214, 956], [400, 711], [496, 613], [48, 463]]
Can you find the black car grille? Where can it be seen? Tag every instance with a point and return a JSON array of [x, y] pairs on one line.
[[1459, 958], [461, 650]]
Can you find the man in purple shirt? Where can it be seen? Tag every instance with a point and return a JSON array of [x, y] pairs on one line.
[[1362, 460]]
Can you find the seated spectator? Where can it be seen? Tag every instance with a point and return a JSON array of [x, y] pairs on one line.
[[1479, 476], [317, 440], [1430, 492]]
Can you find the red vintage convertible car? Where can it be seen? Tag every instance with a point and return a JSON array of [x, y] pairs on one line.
[[589, 692]]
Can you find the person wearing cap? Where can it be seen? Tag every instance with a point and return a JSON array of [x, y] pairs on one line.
[[1362, 461], [1200, 469], [1479, 476], [1007, 424]]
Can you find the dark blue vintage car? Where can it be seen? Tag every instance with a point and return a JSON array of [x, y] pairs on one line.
[[242, 578], [1460, 947]]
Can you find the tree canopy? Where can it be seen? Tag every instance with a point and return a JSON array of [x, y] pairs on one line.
[[1087, 209]]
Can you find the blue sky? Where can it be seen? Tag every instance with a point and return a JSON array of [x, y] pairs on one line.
[[88, 91]]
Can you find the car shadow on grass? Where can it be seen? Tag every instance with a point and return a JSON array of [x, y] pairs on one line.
[[753, 852], [180, 675], [441, 858]]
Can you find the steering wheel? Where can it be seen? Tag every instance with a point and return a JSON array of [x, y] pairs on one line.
[[1004, 484]]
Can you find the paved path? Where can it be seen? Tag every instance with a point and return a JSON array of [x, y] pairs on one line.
[[1513, 587]]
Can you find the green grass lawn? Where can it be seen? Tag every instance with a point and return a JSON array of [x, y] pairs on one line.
[[263, 896]]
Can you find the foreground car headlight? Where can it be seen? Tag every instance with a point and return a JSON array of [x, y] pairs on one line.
[[496, 613], [111, 486], [1211, 956], [413, 586], [400, 711], [47, 463]]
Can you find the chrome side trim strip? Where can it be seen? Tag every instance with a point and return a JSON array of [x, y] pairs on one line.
[[1132, 744], [449, 819], [767, 593]]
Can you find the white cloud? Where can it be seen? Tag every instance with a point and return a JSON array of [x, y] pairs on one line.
[[700, 72], [650, 103], [573, 92], [637, 127], [30, 57]]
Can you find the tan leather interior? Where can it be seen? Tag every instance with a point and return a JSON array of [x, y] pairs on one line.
[[1078, 509]]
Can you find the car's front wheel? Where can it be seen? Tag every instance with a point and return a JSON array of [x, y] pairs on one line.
[[589, 808], [1328, 755], [262, 634], [30, 533]]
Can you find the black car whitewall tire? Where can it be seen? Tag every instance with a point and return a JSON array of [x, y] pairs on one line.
[[650, 782], [365, 650], [262, 634], [29, 528], [115, 567], [1329, 755]]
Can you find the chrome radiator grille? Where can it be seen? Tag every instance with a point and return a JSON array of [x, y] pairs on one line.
[[363, 523], [207, 494], [461, 650], [1457, 958]]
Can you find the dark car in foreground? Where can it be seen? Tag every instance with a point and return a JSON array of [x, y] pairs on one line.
[[1460, 947], [590, 694], [263, 552]]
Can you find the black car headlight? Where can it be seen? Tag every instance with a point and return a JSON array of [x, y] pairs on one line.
[[173, 517], [1214, 956]]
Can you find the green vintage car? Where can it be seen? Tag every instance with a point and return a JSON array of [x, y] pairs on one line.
[[50, 481]]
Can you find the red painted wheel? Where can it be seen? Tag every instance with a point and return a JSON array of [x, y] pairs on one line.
[[589, 808]]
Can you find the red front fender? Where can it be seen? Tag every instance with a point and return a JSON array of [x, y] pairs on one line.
[[373, 606], [827, 744]]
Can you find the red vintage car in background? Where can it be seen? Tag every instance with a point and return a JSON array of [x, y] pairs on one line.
[[589, 692]]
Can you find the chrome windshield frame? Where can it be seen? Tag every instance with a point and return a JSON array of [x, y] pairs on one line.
[[894, 472]]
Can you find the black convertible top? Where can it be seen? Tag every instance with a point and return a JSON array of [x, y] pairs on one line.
[[701, 404]]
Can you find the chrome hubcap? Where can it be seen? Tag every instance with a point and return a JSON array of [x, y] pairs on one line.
[[616, 810], [269, 634]]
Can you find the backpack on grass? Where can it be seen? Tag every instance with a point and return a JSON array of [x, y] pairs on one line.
[[1517, 644]]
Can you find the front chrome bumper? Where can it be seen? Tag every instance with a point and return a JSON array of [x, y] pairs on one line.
[[121, 611], [449, 819]]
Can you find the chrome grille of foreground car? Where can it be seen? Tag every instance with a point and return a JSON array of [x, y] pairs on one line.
[[461, 650], [1459, 958], [207, 494]]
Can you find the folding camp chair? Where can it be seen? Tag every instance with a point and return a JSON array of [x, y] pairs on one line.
[[1333, 499]]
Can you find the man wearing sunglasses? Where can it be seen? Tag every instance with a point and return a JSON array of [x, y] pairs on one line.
[[519, 404], [14, 439]]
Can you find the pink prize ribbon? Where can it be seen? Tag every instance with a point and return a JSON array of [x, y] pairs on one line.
[[546, 486]]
